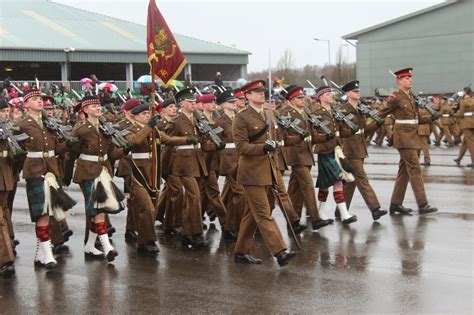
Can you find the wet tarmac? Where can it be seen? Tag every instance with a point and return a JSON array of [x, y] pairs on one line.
[[410, 264]]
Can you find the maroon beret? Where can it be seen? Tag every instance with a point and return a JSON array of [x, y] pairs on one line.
[[207, 98], [130, 104]]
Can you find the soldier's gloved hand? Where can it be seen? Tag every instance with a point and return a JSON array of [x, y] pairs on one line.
[[304, 135], [355, 130], [128, 147], [192, 140], [152, 121], [221, 146], [330, 136], [268, 147], [435, 116]]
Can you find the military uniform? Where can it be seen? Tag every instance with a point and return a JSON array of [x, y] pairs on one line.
[[355, 150], [450, 130], [143, 198], [424, 132], [406, 140], [466, 123]]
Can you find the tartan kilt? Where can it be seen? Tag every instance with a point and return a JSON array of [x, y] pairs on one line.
[[328, 171], [35, 196], [91, 210]]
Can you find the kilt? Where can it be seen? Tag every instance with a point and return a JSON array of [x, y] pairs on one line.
[[35, 196], [328, 171], [91, 210]]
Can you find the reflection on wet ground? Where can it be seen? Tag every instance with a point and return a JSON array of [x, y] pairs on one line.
[[409, 264]]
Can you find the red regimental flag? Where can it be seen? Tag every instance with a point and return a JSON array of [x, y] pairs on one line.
[[164, 56]]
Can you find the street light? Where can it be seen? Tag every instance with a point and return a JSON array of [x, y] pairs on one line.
[[329, 47], [68, 50]]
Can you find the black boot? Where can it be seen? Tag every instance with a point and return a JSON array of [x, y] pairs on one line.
[[377, 213], [316, 225], [426, 209], [399, 209], [148, 249], [298, 228], [130, 236], [7, 271], [283, 257]]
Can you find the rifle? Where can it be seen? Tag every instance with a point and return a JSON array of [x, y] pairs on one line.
[[271, 142], [314, 120], [422, 103], [372, 112], [62, 131], [202, 124], [6, 134], [118, 136], [286, 123], [339, 116]]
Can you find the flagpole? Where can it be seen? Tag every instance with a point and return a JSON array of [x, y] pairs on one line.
[[154, 168]]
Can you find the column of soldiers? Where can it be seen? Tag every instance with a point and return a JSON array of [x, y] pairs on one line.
[[254, 148]]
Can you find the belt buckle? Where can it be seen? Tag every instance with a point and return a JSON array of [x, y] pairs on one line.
[[101, 159], [45, 154]]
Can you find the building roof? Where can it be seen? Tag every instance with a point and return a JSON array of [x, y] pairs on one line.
[[45, 25], [364, 31]]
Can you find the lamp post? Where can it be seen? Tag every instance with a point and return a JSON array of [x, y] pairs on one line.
[[329, 47], [68, 50]]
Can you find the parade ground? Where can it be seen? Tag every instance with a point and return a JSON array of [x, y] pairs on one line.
[[399, 264]]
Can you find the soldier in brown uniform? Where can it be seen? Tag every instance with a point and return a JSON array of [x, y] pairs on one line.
[[256, 172], [187, 164], [228, 159], [41, 161], [143, 197], [240, 103], [7, 182], [209, 186], [93, 174], [466, 121], [125, 172], [424, 132], [299, 155], [355, 150], [448, 123], [329, 172], [402, 106]]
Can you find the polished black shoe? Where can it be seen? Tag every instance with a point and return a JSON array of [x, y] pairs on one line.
[[284, 257], [377, 213], [458, 162], [60, 249], [197, 241], [246, 259], [229, 235], [212, 216], [426, 163], [298, 228], [111, 230], [7, 271], [67, 234], [172, 231], [15, 243], [427, 209], [149, 249], [350, 220], [316, 225], [470, 165], [337, 215], [399, 209], [130, 236]]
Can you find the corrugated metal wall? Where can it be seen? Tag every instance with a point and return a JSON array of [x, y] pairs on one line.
[[438, 44]]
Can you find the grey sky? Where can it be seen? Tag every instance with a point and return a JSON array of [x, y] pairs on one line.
[[257, 26]]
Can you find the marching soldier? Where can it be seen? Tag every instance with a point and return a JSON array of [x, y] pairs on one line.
[[329, 172], [424, 132], [355, 150], [240, 103], [7, 181], [299, 155], [41, 164], [125, 172], [187, 165], [402, 106], [142, 196], [256, 170], [448, 123], [466, 122], [93, 174], [228, 160]]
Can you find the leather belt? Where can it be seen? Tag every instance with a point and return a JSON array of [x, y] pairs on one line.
[[3, 154], [230, 145], [141, 156], [188, 146], [93, 158], [468, 114], [40, 154], [407, 121]]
